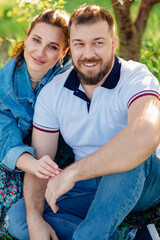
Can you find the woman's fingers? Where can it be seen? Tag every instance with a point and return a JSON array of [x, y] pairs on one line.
[[46, 168]]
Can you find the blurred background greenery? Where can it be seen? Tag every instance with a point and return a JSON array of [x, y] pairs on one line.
[[14, 20]]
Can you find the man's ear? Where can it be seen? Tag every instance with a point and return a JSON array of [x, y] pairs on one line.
[[115, 43]]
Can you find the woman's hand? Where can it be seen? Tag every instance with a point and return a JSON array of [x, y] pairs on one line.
[[45, 168]]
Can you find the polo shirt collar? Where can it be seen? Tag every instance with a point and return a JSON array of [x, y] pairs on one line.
[[72, 82], [114, 76]]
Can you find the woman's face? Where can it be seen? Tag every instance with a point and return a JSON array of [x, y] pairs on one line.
[[43, 48]]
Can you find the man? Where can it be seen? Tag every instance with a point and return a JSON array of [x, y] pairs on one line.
[[108, 111]]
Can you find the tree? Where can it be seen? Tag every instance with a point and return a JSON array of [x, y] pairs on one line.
[[130, 31]]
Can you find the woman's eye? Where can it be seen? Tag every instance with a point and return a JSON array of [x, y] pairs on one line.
[[36, 40], [52, 47]]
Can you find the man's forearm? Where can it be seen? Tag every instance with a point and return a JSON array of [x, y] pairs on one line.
[[130, 147], [124, 152]]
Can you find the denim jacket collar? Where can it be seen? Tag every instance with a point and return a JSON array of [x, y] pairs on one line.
[[22, 84]]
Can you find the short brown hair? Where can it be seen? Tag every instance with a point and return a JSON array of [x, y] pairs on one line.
[[91, 14], [54, 17]]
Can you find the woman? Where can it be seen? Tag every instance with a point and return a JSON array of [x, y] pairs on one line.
[[35, 62]]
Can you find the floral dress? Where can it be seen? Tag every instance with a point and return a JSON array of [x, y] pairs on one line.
[[10, 192]]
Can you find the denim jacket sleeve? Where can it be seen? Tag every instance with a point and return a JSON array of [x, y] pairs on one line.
[[11, 143], [13, 128]]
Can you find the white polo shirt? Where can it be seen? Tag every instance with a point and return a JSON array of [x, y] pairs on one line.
[[87, 125]]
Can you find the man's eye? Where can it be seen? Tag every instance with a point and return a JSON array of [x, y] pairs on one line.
[[79, 44], [98, 43]]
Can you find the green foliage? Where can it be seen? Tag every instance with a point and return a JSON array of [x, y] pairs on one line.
[[27, 9], [71, 5], [15, 16], [150, 56], [150, 51]]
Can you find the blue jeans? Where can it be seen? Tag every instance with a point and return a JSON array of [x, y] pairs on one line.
[[94, 208]]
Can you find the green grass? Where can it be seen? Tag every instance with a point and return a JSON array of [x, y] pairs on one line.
[[8, 237]]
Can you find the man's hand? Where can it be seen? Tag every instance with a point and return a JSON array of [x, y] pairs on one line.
[[41, 230], [58, 186]]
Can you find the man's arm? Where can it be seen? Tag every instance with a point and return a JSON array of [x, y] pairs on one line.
[[131, 146], [34, 188], [128, 149]]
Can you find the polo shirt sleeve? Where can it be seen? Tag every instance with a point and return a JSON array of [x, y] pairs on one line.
[[138, 83], [44, 115]]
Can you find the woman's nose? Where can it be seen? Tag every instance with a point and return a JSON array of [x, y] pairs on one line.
[[40, 51]]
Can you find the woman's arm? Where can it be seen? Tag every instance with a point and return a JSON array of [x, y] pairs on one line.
[[34, 188], [15, 154]]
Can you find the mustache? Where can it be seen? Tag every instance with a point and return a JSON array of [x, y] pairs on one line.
[[91, 60]]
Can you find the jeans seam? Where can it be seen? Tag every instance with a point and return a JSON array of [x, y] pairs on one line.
[[60, 220], [97, 181], [151, 204], [76, 195], [69, 197], [150, 168]]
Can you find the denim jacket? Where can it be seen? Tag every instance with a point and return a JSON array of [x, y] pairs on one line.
[[17, 100]]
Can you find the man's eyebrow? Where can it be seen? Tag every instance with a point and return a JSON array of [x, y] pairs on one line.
[[77, 40], [99, 38], [55, 43], [95, 39]]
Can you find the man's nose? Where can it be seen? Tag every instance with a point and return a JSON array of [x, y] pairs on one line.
[[88, 52]]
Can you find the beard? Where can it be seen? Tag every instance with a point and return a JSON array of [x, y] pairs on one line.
[[93, 78]]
